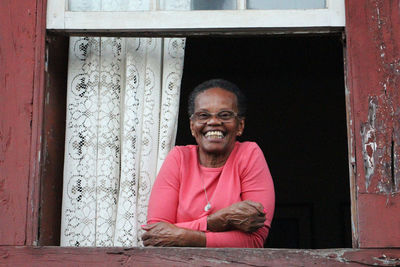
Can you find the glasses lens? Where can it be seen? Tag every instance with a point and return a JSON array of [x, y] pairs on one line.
[[202, 116], [226, 115]]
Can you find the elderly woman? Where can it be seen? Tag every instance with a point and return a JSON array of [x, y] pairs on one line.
[[218, 193]]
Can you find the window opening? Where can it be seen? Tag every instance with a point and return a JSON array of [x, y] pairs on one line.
[[213, 5], [297, 115]]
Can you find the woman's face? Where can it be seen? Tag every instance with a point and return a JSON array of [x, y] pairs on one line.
[[215, 136]]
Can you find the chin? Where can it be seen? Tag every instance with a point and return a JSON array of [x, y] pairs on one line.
[[216, 148]]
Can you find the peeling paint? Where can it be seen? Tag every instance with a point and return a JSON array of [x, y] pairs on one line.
[[396, 171], [368, 135], [379, 152], [385, 187], [388, 260], [373, 54]]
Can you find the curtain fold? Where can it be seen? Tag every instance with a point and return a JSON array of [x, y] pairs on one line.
[[122, 111]]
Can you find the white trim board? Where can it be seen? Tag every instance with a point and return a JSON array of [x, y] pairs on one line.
[[59, 19]]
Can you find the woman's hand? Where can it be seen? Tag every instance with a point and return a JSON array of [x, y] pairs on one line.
[[164, 234], [247, 216]]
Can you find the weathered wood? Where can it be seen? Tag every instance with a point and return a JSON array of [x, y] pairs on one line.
[[32, 225], [17, 81], [56, 256], [200, 32], [373, 56], [52, 160]]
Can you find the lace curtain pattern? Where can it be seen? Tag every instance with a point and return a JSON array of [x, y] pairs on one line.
[[122, 110]]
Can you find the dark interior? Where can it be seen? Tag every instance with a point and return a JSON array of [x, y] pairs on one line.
[[296, 114]]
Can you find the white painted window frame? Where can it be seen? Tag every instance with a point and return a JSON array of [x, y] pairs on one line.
[[60, 19]]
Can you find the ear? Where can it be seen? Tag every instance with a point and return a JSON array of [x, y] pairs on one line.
[[240, 128], [191, 127]]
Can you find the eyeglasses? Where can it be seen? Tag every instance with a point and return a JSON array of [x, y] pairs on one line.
[[224, 116]]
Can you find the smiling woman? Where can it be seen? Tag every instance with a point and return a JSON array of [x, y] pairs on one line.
[[218, 193]]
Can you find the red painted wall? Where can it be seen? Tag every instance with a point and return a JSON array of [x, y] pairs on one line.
[[373, 49], [20, 78]]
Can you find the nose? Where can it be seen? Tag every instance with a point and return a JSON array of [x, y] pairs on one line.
[[214, 120]]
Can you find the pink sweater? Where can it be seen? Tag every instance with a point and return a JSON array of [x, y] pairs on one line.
[[178, 196]]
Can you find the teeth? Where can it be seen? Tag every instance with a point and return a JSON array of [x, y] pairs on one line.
[[214, 134]]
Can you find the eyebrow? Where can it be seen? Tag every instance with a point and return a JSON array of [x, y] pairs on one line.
[[206, 110]]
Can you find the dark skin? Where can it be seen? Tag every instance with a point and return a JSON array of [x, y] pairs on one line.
[[246, 216], [214, 152]]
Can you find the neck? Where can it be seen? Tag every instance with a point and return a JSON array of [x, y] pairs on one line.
[[212, 160]]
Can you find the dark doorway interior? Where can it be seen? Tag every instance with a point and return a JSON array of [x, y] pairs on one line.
[[296, 113]]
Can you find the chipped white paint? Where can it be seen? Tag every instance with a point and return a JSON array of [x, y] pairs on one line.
[[46, 60], [378, 17], [384, 85], [384, 187], [387, 260], [369, 149], [368, 135]]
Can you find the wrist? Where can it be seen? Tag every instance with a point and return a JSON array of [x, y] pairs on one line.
[[192, 238], [219, 221]]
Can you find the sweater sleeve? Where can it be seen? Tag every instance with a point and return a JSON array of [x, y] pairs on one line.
[[198, 225], [164, 196], [257, 185], [236, 238]]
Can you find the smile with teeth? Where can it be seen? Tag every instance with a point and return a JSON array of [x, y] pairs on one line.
[[214, 134]]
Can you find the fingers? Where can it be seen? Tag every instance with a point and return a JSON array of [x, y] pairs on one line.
[[148, 227], [145, 227], [247, 216], [148, 237], [159, 234], [254, 226], [150, 242]]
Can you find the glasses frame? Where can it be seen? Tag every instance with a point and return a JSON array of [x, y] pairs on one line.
[[215, 114]]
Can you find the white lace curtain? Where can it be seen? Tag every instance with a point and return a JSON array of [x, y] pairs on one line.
[[122, 109]]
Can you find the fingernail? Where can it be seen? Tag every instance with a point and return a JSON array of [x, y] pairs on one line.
[[143, 225], [265, 211]]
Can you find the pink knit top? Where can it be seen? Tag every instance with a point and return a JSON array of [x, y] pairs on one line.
[[178, 195]]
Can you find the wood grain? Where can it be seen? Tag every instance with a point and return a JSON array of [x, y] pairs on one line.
[[57, 256], [17, 67]]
